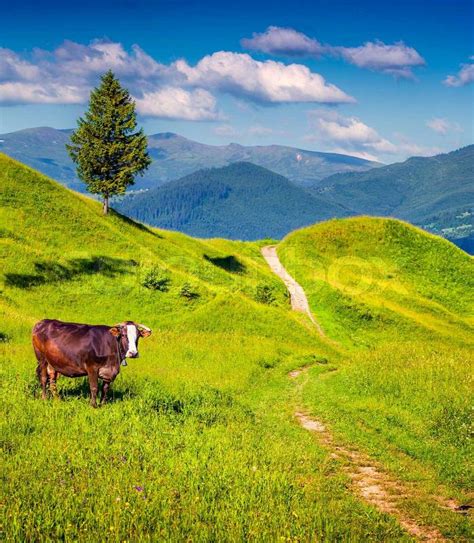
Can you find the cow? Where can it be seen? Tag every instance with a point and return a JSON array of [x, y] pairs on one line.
[[79, 350]]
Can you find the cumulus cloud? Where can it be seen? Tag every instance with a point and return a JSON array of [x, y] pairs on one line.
[[396, 59], [283, 41], [67, 74], [263, 82], [350, 135], [463, 77], [24, 92], [178, 90], [177, 103], [442, 126]]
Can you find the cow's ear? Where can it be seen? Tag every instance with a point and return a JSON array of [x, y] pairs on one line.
[[115, 331], [144, 331]]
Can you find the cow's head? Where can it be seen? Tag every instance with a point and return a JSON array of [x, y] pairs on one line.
[[128, 333]]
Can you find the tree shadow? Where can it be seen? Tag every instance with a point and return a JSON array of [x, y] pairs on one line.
[[228, 263], [53, 272], [138, 225]]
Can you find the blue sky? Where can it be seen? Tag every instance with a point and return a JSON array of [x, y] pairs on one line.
[[375, 79]]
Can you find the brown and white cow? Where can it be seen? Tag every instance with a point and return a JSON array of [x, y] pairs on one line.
[[78, 350]]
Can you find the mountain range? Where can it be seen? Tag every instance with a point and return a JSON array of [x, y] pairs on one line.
[[255, 192], [245, 201], [175, 156], [436, 193]]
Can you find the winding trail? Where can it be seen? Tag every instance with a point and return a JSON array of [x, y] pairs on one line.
[[299, 301], [375, 486], [369, 480]]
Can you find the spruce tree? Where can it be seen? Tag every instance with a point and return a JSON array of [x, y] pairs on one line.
[[106, 147]]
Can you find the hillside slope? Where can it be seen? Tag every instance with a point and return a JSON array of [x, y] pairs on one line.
[[199, 440], [174, 156], [197, 427], [240, 201], [402, 302], [436, 193], [369, 277]]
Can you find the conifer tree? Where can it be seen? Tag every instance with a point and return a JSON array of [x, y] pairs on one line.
[[106, 147]]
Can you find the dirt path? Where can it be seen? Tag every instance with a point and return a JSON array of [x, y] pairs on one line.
[[369, 480], [299, 302]]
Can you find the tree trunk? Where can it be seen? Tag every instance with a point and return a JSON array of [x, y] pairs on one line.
[[105, 206]]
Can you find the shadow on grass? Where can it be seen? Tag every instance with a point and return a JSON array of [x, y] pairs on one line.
[[53, 272], [80, 389], [228, 263], [138, 225]]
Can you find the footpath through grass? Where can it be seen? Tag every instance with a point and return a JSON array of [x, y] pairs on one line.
[[400, 302]]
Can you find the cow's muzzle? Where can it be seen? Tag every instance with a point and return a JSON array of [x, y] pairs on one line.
[[130, 354]]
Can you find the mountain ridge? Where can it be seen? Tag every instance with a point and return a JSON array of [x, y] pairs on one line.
[[239, 201], [436, 193], [174, 156]]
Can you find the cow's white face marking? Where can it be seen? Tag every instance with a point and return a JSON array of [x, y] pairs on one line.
[[132, 341]]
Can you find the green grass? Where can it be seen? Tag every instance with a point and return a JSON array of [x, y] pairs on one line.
[[199, 441], [400, 302]]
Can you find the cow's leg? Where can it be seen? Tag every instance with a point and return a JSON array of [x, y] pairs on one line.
[[53, 376], [94, 385], [42, 372], [105, 389]]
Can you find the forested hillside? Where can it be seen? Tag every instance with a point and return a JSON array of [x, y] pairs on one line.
[[240, 201]]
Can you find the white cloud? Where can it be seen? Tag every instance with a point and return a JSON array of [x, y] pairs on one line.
[[264, 82], [442, 126], [12, 67], [68, 73], [463, 77], [37, 93], [177, 103], [283, 41], [350, 135], [396, 59], [408, 149]]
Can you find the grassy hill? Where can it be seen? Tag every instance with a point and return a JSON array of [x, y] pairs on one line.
[[240, 201], [436, 192], [369, 278], [402, 302], [199, 441]]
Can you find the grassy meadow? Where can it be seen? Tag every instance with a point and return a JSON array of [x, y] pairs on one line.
[[199, 442], [400, 303]]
